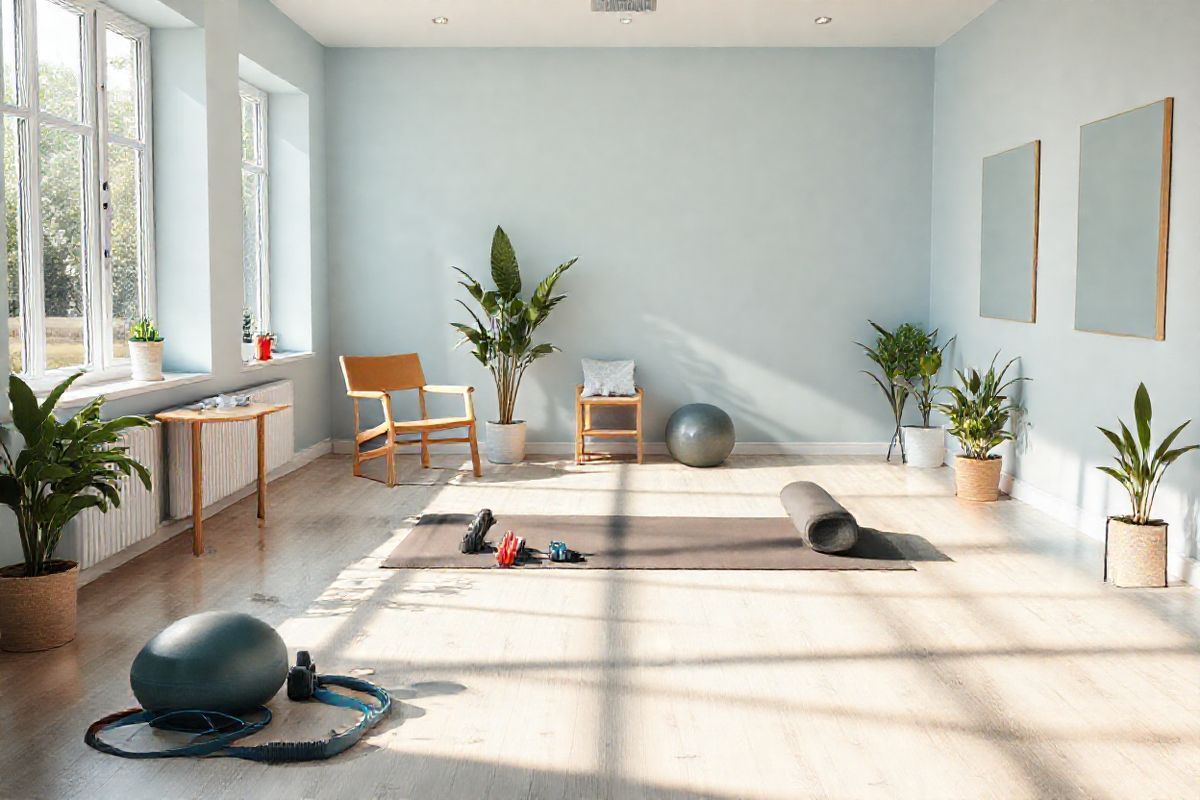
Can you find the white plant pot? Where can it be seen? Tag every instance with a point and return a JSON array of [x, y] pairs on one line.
[[505, 443], [925, 447], [248, 351], [145, 360]]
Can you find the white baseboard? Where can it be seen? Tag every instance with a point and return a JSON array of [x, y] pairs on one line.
[[346, 447], [171, 528], [1090, 523]]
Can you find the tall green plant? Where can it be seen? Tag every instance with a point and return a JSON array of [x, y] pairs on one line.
[[64, 468], [923, 387], [502, 337], [980, 410], [1139, 469], [898, 356]]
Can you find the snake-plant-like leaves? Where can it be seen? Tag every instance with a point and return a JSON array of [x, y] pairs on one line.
[[1138, 470]]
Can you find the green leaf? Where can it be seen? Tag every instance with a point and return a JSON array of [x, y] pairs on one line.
[[52, 399], [506, 274], [1141, 415], [1166, 443], [26, 413]]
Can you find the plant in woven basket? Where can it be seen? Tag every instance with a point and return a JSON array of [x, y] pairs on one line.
[[502, 340], [63, 468], [898, 355], [1140, 469], [980, 409]]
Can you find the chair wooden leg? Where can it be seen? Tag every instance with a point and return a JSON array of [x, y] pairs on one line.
[[578, 432], [475, 453], [391, 458], [425, 451], [639, 433], [357, 460]]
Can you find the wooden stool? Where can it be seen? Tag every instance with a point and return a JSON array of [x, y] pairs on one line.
[[583, 423]]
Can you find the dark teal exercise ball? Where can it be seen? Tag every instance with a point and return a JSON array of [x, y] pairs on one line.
[[700, 435], [216, 661]]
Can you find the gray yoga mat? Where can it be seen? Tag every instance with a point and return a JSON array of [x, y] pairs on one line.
[[621, 542], [823, 522]]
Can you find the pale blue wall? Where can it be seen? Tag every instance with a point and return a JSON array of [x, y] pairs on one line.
[[1029, 69], [737, 213]]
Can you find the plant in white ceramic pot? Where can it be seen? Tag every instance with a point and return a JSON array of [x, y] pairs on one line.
[[925, 445], [63, 469], [897, 354], [145, 351], [249, 351], [502, 339], [1136, 543], [978, 418]]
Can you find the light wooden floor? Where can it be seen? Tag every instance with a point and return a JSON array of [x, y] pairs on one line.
[[1009, 671]]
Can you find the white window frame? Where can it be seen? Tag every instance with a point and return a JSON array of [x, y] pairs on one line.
[[261, 168], [97, 19]]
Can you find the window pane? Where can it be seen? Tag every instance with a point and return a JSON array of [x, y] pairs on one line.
[[62, 245], [121, 53], [8, 19], [60, 55], [250, 136], [12, 217], [126, 242], [251, 242]]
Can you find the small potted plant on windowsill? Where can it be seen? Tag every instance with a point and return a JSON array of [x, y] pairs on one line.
[[145, 351], [248, 348], [1135, 545], [503, 339], [264, 342], [925, 446], [64, 468], [978, 417]]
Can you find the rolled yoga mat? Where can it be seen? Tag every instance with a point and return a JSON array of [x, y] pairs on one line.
[[823, 522]]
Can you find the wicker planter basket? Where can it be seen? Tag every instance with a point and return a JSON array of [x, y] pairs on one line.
[[977, 479], [37, 613], [1135, 556]]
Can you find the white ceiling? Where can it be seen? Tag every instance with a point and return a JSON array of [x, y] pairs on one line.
[[676, 23]]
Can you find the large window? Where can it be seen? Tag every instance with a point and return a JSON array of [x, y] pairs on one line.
[[76, 125], [256, 286]]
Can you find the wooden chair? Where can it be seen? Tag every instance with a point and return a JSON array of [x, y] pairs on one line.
[[584, 429], [374, 378]]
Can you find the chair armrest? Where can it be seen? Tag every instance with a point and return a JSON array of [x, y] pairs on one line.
[[364, 395], [449, 389]]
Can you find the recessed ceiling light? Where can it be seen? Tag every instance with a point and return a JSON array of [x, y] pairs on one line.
[[823, 20], [626, 20], [440, 20]]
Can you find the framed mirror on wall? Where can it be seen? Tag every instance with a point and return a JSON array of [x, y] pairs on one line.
[[1124, 214], [1009, 234]]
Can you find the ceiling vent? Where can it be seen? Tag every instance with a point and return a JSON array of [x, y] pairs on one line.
[[625, 6]]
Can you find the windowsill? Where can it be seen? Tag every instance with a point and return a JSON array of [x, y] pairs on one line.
[[277, 358], [125, 387]]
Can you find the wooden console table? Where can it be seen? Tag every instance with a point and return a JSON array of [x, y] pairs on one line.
[[197, 419], [583, 422]]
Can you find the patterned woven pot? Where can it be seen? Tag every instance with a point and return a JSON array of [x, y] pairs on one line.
[[1135, 556], [977, 479], [37, 613]]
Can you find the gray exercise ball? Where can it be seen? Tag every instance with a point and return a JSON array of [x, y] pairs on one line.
[[215, 661], [700, 435]]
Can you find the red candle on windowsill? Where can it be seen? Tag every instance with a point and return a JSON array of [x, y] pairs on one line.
[[263, 343]]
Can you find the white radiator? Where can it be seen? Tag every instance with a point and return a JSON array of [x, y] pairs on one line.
[[94, 536], [229, 450]]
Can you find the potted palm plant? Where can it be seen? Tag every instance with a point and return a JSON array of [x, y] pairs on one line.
[[501, 339], [145, 351], [925, 446], [897, 354], [64, 468], [978, 418], [1135, 545]]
